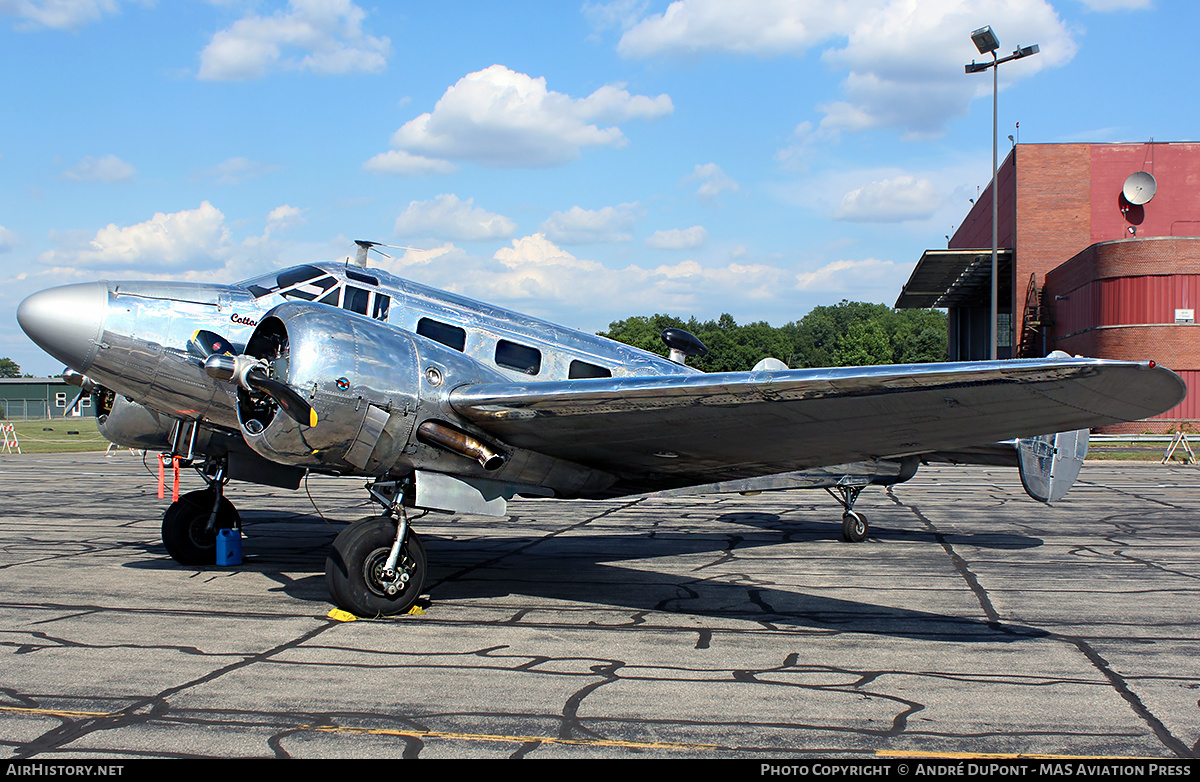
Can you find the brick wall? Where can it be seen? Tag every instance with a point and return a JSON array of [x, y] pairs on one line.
[[1118, 300]]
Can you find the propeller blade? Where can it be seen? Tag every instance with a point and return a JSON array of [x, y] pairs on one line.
[[206, 343], [288, 400], [86, 386], [75, 401]]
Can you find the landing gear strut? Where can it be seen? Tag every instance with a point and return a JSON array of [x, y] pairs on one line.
[[190, 525], [377, 565], [854, 524]]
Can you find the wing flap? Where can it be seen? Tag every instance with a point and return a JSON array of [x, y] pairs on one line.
[[663, 432]]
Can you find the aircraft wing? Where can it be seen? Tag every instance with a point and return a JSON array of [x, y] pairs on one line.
[[679, 430]]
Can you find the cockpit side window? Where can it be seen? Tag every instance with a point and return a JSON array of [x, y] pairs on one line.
[[356, 300], [360, 277], [382, 305]]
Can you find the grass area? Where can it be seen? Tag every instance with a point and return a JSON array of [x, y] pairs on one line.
[[61, 435], [1135, 452]]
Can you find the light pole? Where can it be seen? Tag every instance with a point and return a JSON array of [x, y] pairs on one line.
[[987, 42]]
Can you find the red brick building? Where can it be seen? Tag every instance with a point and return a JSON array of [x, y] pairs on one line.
[[1083, 267]]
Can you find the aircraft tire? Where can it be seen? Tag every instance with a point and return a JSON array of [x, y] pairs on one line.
[[352, 569], [183, 526], [854, 527]]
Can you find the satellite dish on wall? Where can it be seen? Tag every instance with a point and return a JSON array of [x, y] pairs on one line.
[[1139, 188]]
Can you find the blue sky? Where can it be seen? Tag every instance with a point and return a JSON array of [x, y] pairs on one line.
[[582, 163]]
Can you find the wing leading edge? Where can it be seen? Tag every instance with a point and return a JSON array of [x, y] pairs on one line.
[[680, 430]]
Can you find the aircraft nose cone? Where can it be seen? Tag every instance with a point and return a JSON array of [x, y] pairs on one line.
[[67, 322]]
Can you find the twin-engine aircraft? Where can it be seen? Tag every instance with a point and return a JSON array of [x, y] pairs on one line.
[[449, 404]]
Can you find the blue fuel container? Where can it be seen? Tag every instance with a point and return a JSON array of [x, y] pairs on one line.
[[229, 547]]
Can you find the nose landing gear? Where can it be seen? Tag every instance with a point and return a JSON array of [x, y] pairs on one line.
[[191, 523]]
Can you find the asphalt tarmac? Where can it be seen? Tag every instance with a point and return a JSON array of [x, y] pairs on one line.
[[973, 620]]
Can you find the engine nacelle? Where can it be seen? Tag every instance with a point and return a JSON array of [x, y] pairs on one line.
[[128, 423], [371, 386]]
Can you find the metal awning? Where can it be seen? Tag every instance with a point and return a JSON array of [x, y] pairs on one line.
[[956, 278]]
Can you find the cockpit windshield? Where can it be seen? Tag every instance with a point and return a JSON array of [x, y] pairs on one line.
[[309, 283]]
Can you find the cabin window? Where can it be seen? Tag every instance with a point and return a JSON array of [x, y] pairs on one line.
[[522, 358], [450, 336], [356, 300], [582, 369], [332, 297]]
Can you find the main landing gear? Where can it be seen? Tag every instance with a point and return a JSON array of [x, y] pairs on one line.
[[854, 524], [377, 565], [190, 525]]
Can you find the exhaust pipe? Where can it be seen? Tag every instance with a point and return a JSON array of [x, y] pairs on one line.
[[449, 439]]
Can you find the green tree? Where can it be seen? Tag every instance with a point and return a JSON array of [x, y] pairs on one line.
[[864, 343], [850, 333], [9, 368], [643, 332]]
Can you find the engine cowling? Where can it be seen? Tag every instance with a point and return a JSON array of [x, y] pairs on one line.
[[371, 386]]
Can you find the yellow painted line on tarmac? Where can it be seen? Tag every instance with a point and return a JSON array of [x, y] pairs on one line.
[[500, 738], [435, 734], [421, 734], [55, 712]]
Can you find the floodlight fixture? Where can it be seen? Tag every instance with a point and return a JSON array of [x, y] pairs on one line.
[[985, 40], [987, 43]]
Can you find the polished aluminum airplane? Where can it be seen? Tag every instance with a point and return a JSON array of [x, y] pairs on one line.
[[450, 404]]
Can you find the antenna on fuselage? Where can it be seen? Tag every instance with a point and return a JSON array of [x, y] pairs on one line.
[[360, 259]]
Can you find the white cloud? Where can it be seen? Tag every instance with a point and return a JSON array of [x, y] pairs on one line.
[[109, 168], [536, 276], [890, 201], [537, 250], [749, 27], [397, 161], [236, 170], [850, 276], [678, 239], [57, 14], [583, 226], [321, 36], [903, 59], [8, 239], [713, 181], [187, 240], [446, 216], [498, 117], [534, 271], [284, 216]]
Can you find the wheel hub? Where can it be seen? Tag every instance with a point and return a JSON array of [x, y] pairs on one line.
[[382, 580]]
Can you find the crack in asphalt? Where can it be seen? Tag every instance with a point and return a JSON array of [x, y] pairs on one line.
[[1118, 683]]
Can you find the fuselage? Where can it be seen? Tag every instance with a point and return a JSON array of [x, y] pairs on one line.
[[133, 337]]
